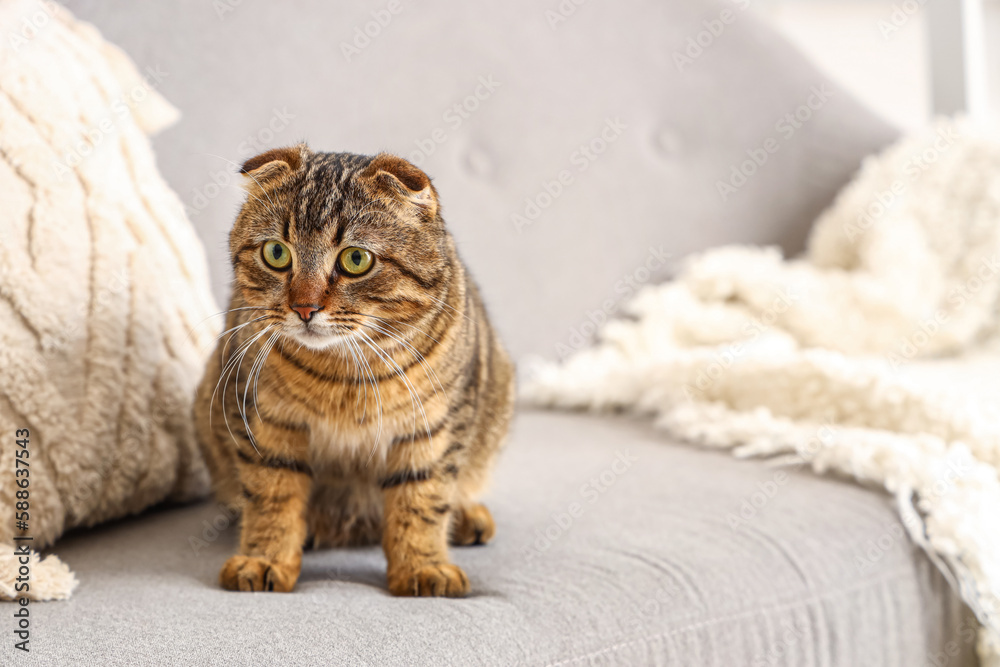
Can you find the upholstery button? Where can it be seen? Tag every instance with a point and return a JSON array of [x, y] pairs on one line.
[[478, 162], [667, 142]]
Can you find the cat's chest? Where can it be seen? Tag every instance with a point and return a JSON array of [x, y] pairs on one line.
[[345, 429], [358, 417]]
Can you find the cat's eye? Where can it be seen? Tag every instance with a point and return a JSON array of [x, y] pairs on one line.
[[277, 255], [355, 261]]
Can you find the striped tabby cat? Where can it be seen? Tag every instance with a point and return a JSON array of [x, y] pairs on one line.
[[359, 392]]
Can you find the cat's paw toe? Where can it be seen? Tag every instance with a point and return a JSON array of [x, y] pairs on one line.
[[443, 580], [472, 525], [250, 573]]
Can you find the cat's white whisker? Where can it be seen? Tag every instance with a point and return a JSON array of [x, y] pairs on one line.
[[259, 363], [420, 358], [390, 320], [227, 367], [235, 366], [448, 305], [238, 327], [361, 382], [236, 388], [415, 399], [378, 400]]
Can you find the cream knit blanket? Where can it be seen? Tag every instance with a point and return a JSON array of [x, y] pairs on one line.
[[873, 356]]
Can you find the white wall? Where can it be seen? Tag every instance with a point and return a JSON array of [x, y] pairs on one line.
[[878, 50]]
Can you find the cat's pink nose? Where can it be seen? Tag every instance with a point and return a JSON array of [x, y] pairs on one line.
[[306, 311]]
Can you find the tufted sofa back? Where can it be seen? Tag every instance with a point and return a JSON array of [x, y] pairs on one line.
[[580, 147]]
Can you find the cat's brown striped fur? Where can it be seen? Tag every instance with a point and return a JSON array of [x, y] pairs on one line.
[[387, 433]]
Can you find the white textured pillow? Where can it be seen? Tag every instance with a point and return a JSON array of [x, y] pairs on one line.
[[104, 287]]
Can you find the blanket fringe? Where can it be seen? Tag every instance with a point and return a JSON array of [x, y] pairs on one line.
[[48, 578]]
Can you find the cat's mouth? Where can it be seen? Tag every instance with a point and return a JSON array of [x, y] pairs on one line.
[[319, 336]]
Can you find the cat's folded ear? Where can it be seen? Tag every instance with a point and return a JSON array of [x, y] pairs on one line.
[[393, 173], [273, 167]]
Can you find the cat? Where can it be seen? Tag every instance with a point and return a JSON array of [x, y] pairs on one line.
[[359, 392]]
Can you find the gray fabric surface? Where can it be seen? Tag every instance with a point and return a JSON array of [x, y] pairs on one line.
[[653, 186], [650, 573]]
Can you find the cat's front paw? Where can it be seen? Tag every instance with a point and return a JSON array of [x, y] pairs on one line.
[[250, 573], [472, 525], [439, 580]]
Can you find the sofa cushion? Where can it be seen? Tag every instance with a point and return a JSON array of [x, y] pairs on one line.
[[613, 547]]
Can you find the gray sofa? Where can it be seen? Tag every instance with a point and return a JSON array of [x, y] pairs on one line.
[[582, 160]]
